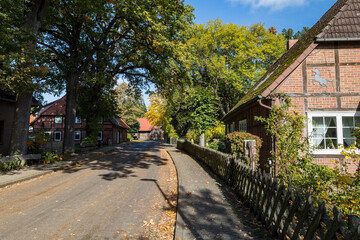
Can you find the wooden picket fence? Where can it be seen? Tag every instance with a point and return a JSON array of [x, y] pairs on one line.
[[287, 212]]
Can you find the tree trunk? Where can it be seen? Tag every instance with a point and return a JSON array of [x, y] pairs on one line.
[[20, 130], [69, 133], [202, 140]]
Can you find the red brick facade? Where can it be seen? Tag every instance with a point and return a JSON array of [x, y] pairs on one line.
[[51, 120]]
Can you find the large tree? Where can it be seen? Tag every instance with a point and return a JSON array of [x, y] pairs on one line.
[[140, 40], [18, 61], [229, 59]]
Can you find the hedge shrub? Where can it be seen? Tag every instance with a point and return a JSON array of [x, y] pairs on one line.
[[236, 142]]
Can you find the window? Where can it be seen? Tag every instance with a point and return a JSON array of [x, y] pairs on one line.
[[100, 136], [77, 135], [57, 136], [77, 119], [348, 124], [328, 130], [101, 120], [58, 119], [242, 126], [232, 127], [47, 134]]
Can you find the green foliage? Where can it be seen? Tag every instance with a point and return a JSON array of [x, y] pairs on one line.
[[51, 157], [90, 139], [35, 140], [130, 137], [192, 136], [291, 146], [130, 105], [135, 127], [229, 59], [216, 132], [289, 33], [8, 166], [217, 145], [237, 139]]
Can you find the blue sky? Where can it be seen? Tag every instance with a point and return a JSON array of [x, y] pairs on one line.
[[281, 14], [294, 14]]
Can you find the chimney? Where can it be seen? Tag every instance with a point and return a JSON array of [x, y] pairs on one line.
[[291, 43]]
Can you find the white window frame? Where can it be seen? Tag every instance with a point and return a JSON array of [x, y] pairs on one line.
[[243, 125], [339, 129], [100, 138], [58, 119], [78, 120], [55, 139], [101, 120], [78, 135], [48, 133]]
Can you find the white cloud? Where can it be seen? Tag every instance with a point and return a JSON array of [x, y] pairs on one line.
[[272, 4]]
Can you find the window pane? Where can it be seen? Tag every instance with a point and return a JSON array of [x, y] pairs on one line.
[[319, 143], [330, 121], [348, 142], [318, 121], [348, 121], [318, 132], [357, 121], [331, 144], [330, 133], [347, 132]]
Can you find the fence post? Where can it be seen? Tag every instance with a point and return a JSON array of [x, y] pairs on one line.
[[250, 151]]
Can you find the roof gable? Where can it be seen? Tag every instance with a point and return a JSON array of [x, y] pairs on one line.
[[55, 108], [290, 60]]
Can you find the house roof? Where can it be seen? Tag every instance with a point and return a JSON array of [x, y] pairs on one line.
[[117, 121], [289, 61], [145, 125], [346, 23]]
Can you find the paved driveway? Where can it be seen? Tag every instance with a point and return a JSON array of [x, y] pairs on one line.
[[108, 198]]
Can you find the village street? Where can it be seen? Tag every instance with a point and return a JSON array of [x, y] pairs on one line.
[[108, 198]]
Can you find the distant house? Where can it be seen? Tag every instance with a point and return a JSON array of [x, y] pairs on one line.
[[321, 74], [51, 120], [148, 131], [7, 113]]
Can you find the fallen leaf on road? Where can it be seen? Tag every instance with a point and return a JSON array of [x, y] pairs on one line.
[[195, 181], [207, 182], [189, 193]]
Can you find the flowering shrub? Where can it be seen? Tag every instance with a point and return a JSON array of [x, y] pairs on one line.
[[50, 157]]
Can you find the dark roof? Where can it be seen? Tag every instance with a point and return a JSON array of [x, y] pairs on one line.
[[288, 62], [6, 96], [346, 23], [119, 122]]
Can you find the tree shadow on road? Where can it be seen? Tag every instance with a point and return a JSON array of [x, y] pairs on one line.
[[122, 163]]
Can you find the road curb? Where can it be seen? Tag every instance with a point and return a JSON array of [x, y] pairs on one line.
[[2, 185], [177, 229]]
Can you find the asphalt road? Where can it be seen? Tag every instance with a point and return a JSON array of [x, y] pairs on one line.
[[108, 198]]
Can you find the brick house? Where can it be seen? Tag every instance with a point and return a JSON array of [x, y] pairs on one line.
[[321, 74], [51, 120], [148, 131]]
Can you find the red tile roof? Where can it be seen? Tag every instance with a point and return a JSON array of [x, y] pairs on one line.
[[145, 125]]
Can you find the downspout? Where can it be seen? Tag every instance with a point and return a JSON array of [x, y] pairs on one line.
[[271, 163]]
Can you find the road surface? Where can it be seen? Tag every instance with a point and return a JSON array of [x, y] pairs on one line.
[[108, 198]]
